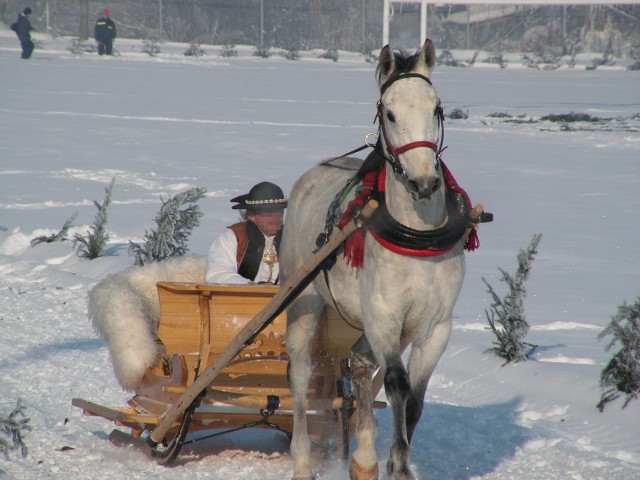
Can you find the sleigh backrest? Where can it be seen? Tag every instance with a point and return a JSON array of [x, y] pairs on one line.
[[195, 315]]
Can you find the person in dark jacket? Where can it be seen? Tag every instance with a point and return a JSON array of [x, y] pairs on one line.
[[105, 33], [23, 28]]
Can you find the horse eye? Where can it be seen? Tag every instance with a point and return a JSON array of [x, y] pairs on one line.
[[391, 117]]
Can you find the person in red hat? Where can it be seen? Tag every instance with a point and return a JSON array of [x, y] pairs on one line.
[[105, 33], [247, 252]]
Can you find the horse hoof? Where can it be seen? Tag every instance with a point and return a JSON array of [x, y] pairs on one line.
[[358, 472], [394, 474]]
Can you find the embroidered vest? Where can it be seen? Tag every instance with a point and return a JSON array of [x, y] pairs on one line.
[[251, 248]]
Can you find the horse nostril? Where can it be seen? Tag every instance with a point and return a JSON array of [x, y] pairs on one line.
[[413, 186], [436, 185]]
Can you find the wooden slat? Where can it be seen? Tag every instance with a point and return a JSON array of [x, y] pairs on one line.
[[121, 416], [179, 328]]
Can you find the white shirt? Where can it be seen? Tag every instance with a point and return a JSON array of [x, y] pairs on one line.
[[221, 261]]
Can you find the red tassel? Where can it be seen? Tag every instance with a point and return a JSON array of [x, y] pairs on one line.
[[354, 248], [473, 242]]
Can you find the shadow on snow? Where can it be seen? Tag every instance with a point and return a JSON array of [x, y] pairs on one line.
[[457, 442]]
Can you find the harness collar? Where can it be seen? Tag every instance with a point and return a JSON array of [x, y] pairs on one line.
[[405, 240]]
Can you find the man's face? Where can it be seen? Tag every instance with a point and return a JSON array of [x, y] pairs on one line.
[[269, 223]]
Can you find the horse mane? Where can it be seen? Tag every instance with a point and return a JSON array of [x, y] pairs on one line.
[[404, 63]]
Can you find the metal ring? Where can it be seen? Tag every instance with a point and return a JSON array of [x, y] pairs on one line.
[[366, 139]]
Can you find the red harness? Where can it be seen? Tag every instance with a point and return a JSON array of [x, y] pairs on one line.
[[373, 183], [426, 252]]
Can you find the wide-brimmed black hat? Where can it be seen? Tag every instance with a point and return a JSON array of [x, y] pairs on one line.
[[263, 197]]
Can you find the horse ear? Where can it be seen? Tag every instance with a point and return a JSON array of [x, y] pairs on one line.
[[386, 64], [427, 55]]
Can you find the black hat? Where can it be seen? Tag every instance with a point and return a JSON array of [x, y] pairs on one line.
[[264, 197], [27, 11]]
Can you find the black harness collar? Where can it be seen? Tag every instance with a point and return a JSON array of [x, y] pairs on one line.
[[441, 238]]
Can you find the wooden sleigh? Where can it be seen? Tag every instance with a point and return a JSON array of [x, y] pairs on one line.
[[224, 368]]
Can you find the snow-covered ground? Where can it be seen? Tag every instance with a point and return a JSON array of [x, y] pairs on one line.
[[161, 125]]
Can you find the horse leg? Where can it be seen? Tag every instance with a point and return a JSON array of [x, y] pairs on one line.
[[398, 390], [422, 361], [364, 462], [302, 318]]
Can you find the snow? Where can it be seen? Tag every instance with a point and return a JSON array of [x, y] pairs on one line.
[[162, 125]]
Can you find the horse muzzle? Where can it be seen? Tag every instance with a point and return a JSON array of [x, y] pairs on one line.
[[423, 189]]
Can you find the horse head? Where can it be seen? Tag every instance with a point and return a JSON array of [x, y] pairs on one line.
[[409, 113]]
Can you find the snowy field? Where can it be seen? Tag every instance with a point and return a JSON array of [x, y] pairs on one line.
[[69, 124]]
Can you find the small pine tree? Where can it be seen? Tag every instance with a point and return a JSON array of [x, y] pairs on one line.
[[12, 431], [194, 50], [61, 236], [506, 316], [622, 373], [174, 228], [228, 50], [95, 243]]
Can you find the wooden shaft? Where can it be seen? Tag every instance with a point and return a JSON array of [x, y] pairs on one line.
[[254, 325]]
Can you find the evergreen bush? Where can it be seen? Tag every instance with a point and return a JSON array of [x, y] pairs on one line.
[[446, 58], [472, 61], [506, 315], [194, 50], [369, 56], [12, 430], [291, 54], [95, 243], [330, 54], [174, 228], [151, 46], [262, 52], [61, 236], [228, 50], [79, 47], [458, 114], [498, 59], [622, 374]]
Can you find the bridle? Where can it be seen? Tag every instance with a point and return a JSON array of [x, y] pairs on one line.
[[394, 152]]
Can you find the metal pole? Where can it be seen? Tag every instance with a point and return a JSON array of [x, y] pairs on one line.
[[423, 21], [84, 20], [385, 23], [363, 22], [161, 25], [55, 18], [46, 16], [262, 23]]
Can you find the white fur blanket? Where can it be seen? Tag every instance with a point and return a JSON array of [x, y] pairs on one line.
[[125, 312]]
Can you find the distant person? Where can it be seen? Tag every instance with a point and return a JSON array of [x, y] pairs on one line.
[[248, 251], [22, 27], [105, 33]]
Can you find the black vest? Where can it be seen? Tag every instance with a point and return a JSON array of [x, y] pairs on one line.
[[251, 243]]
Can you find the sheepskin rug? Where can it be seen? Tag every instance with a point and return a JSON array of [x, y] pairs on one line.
[[125, 312]]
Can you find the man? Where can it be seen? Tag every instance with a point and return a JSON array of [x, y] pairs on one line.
[[105, 33], [22, 27], [247, 252]]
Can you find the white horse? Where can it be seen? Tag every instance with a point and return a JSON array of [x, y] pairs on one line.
[[401, 297]]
